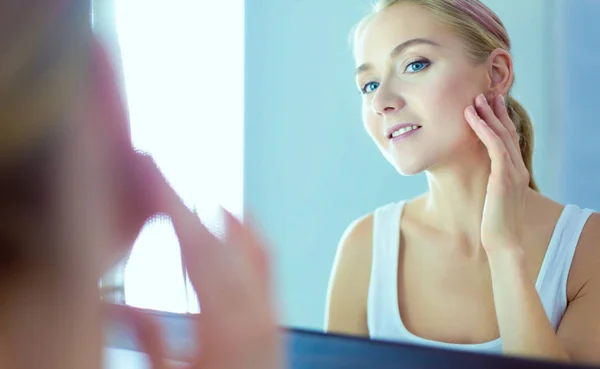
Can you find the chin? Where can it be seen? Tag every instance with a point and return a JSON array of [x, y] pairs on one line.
[[408, 167], [407, 172]]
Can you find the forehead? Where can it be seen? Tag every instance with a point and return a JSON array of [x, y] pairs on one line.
[[386, 29]]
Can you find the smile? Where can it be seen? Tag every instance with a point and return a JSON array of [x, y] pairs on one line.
[[402, 131]]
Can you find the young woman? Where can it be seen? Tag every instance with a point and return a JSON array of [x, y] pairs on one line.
[[73, 197], [482, 261]]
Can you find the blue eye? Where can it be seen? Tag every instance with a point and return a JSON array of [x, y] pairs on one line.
[[417, 66], [369, 87]]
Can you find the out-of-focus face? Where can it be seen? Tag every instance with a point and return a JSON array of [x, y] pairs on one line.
[[416, 81], [130, 197]]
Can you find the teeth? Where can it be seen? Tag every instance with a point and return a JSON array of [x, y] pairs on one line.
[[403, 130]]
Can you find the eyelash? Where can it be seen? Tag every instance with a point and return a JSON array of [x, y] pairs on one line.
[[426, 62]]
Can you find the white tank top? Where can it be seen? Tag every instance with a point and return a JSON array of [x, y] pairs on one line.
[[383, 316]]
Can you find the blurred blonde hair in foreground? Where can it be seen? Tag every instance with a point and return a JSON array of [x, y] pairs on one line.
[[48, 72], [45, 51]]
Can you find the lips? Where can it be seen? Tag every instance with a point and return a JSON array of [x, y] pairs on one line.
[[399, 127]]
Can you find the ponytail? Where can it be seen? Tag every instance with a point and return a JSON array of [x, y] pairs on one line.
[[524, 127]]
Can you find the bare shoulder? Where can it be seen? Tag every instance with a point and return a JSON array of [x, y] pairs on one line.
[[349, 280], [589, 241], [584, 273], [354, 253], [353, 257], [585, 261], [587, 254], [357, 239], [579, 330]]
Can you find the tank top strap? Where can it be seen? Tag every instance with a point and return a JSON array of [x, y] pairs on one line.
[[554, 273], [385, 243]]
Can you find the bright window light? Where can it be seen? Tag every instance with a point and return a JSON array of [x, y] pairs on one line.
[[183, 63]]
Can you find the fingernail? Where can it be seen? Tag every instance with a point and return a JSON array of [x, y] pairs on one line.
[[481, 99], [226, 215], [472, 111], [502, 100]]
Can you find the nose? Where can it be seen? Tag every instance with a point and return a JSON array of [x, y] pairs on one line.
[[386, 101]]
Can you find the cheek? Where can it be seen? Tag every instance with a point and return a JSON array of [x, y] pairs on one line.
[[372, 122], [136, 200], [448, 98], [107, 98]]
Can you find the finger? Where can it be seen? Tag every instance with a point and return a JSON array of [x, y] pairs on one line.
[[111, 129], [246, 237], [218, 274], [238, 324], [488, 115], [149, 336], [234, 306], [261, 249], [501, 112], [500, 158]]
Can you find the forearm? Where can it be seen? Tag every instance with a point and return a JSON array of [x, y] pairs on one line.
[[524, 325]]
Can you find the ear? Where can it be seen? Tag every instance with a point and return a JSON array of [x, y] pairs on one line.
[[500, 73]]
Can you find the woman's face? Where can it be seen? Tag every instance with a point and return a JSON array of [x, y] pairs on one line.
[[413, 72]]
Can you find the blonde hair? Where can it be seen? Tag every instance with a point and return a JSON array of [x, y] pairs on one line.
[[44, 73], [43, 67], [482, 32], [53, 70]]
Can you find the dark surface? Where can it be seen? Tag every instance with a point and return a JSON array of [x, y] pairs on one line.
[[313, 350], [316, 350]]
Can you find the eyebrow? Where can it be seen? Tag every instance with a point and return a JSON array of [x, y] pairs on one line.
[[399, 50]]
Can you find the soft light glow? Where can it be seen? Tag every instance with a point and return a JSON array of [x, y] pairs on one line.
[[183, 62]]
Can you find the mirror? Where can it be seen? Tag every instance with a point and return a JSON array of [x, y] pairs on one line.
[[316, 350], [267, 119]]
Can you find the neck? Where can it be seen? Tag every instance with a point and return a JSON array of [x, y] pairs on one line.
[[456, 195]]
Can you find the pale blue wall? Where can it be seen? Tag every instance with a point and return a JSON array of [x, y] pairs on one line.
[[310, 167], [578, 91]]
